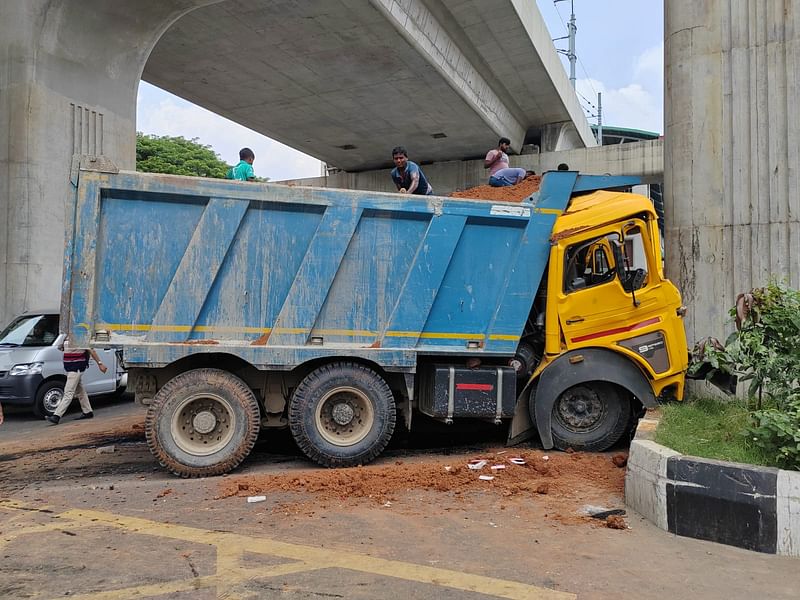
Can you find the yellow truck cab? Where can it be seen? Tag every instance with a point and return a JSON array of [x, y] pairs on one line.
[[614, 341]]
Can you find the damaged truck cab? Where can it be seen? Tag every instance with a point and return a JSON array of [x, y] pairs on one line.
[[612, 339], [244, 307]]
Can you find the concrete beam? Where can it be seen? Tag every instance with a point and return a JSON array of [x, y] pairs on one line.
[[643, 159], [420, 28]]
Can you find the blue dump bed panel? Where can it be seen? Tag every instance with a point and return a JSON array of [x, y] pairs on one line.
[[279, 275]]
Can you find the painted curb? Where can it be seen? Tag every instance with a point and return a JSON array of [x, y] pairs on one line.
[[756, 508]]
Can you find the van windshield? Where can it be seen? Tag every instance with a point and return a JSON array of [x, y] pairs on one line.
[[30, 330]]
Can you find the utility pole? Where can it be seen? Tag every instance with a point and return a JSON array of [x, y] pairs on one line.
[[600, 118], [572, 30]]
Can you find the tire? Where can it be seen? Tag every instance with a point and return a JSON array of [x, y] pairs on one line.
[[590, 416], [203, 422], [48, 396], [342, 415]]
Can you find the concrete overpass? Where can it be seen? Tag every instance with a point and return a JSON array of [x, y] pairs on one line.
[[343, 80], [346, 80], [69, 73], [643, 159]]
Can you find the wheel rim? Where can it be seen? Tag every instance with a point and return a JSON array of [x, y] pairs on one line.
[[203, 424], [52, 398], [344, 416], [580, 409]]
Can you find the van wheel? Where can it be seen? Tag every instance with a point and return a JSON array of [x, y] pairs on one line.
[[202, 422], [342, 415], [48, 396], [590, 416]]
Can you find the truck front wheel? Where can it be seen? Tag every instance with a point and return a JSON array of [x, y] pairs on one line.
[[342, 415], [590, 416], [202, 422]]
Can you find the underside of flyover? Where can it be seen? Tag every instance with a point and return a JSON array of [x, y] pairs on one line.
[[346, 80]]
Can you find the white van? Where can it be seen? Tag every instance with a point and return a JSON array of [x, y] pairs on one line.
[[32, 368]]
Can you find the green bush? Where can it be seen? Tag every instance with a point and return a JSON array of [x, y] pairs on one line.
[[777, 432], [765, 350]]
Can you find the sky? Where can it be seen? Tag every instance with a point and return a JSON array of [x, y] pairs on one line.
[[620, 51]]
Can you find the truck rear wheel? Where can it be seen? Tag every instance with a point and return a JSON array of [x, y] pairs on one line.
[[342, 415], [202, 422], [590, 416]]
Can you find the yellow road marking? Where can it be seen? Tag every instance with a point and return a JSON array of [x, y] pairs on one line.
[[231, 548]]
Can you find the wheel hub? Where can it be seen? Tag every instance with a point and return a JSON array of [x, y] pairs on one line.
[[580, 410], [344, 416], [204, 422], [342, 413]]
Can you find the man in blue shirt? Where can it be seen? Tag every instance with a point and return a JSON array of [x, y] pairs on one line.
[[407, 175], [244, 170]]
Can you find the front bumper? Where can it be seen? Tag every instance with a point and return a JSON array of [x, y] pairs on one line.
[[19, 389]]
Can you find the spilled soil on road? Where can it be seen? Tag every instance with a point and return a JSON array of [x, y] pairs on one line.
[[559, 481]]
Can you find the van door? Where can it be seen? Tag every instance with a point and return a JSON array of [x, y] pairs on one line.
[[96, 382]]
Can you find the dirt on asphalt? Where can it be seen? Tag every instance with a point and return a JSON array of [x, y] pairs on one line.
[[559, 482]]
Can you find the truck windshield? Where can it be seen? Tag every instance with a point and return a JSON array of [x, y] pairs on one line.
[[30, 330]]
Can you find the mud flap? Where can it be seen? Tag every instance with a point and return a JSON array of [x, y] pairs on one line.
[[522, 427]]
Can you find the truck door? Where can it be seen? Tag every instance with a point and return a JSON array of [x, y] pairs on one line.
[[610, 288]]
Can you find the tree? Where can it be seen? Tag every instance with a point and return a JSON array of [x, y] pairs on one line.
[[177, 156]]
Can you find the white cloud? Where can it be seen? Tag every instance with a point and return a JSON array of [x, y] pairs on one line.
[[161, 113], [639, 104]]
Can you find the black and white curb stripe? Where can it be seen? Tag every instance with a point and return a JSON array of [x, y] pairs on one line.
[[756, 508]]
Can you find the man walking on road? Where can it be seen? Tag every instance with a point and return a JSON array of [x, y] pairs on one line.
[[76, 361]]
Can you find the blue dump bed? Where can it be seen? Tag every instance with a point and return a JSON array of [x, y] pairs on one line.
[[278, 275]]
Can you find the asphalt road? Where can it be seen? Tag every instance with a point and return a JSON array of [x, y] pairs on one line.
[[86, 513]]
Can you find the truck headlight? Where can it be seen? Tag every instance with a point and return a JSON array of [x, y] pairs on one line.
[[34, 368]]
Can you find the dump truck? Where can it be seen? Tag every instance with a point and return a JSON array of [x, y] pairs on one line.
[[340, 314]]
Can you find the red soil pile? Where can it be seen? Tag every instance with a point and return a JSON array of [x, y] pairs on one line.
[[511, 193], [566, 481]]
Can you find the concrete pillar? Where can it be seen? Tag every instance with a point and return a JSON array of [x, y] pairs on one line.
[[732, 153], [69, 74]]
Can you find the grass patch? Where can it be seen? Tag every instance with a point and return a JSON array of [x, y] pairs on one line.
[[710, 428]]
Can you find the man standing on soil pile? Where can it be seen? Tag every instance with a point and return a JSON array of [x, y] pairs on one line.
[[407, 175], [497, 159]]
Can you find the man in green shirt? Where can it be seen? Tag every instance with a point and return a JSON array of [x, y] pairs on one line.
[[244, 170]]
